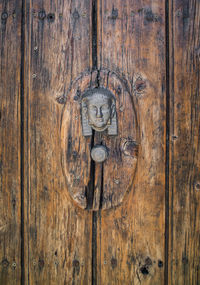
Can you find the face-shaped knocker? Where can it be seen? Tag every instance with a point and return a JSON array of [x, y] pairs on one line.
[[99, 139], [99, 112]]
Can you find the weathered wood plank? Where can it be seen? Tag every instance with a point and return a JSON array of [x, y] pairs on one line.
[[10, 193], [58, 236], [184, 234], [130, 238]]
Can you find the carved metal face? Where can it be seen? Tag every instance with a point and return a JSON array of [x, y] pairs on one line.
[[99, 112]]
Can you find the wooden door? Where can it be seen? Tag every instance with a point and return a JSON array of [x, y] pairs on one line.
[[152, 236]]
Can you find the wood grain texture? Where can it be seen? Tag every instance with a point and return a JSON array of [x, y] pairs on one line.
[[130, 238], [58, 234], [10, 191], [75, 147], [184, 235], [119, 168], [64, 244]]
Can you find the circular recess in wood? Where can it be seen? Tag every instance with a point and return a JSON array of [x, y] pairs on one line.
[[101, 184]]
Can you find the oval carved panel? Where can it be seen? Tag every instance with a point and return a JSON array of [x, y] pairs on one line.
[[99, 140]]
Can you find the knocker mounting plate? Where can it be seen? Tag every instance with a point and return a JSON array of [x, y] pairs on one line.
[[99, 138]]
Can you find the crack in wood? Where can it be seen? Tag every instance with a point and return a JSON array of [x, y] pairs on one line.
[[90, 188]]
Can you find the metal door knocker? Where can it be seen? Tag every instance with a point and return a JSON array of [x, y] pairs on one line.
[[99, 153], [98, 112], [99, 137]]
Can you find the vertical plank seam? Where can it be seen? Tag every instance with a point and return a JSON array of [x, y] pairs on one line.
[[171, 145], [94, 214], [90, 188], [94, 248], [167, 141], [22, 137], [99, 34], [94, 34]]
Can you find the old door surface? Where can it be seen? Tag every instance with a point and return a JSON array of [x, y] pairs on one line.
[[114, 202]]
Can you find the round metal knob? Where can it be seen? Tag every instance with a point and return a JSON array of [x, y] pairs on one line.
[[99, 153]]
